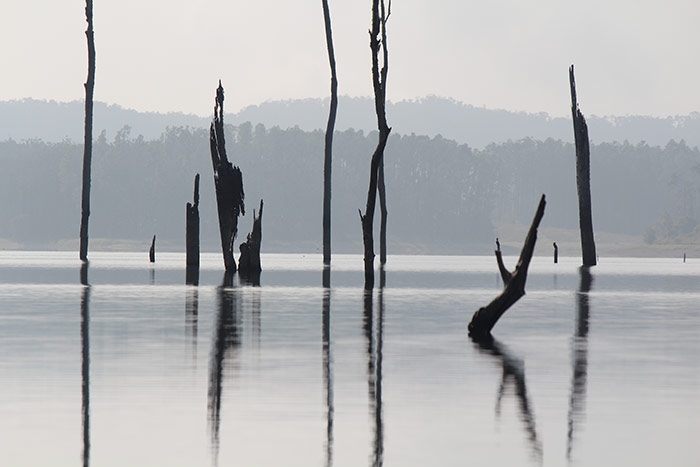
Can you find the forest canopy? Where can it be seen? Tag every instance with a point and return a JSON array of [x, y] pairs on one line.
[[444, 197]]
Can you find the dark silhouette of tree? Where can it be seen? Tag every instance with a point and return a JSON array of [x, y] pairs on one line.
[[583, 177], [379, 19], [152, 251], [486, 317], [228, 182], [328, 150], [192, 237], [87, 149], [249, 267]]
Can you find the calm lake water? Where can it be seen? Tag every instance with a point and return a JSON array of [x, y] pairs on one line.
[[138, 369]]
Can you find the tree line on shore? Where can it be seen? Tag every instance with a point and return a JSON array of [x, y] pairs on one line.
[[444, 197]]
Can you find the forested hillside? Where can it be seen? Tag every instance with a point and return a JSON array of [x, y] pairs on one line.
[[443, 197], [431, 116]]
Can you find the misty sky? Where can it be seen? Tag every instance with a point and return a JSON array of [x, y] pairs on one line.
[[631, 56]]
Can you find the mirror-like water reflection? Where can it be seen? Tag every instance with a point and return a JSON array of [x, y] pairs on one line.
[[397, 382]]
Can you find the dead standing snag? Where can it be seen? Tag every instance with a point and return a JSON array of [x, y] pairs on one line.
[[228, 182], [379, 19], [583, 177], [486, 318]]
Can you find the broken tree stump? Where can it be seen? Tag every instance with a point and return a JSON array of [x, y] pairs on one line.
[[249, 262], [192, 237], [228, 182], [556, 253], [152, 251], [583, 177], [486, 317]]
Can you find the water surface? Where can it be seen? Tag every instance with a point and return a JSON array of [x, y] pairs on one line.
[[138, 368]]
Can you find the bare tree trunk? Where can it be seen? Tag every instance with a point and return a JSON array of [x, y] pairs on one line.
[[379, 19], [192, 237], [583, 177], [87, 147], [152, 251], [486, 318], [249, 266], [383, 211], [228, 182], [330, 128]]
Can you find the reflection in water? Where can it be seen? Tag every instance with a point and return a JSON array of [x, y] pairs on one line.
[[326, 281], [153, 275], [85, 352], [513, 370], [374, 371], [192, 317], [226, 339], [328, 373], [192, 274], [580, 357]]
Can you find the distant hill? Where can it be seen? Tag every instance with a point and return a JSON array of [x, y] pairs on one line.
[[431, 116]]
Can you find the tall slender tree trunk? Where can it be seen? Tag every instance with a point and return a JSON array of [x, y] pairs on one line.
[[379, 19], [327, 160], [87, 148], [583, 177]]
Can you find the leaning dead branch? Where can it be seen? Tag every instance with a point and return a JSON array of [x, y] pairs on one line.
[[486, 317]]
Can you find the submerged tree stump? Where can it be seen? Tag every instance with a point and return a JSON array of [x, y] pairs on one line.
[[228, 182], [486, 317], [583, 177], [249, 266], [192, 237], [152, 251]]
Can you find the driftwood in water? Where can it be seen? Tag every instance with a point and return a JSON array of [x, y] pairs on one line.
[[328, 149], [556, 253], [192, 237], [152, 251], [583, 177], [379, 19], [249, 262], [228, 182], [87, 147], [486, 317]]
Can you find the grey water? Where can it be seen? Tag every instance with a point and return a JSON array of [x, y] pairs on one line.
[[594, 367]]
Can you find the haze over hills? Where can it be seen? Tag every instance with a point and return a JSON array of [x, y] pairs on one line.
[[477, 127]]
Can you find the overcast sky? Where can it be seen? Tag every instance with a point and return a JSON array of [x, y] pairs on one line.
[[631, 56]]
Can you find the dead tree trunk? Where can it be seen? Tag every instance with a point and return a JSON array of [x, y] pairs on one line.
[[379, 19], [228, 182], [152, 251], [192, 237], [87, 147], [383, 212], [556, 253], [249, 262], [486, 317], [329, 140], [583, 177]]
